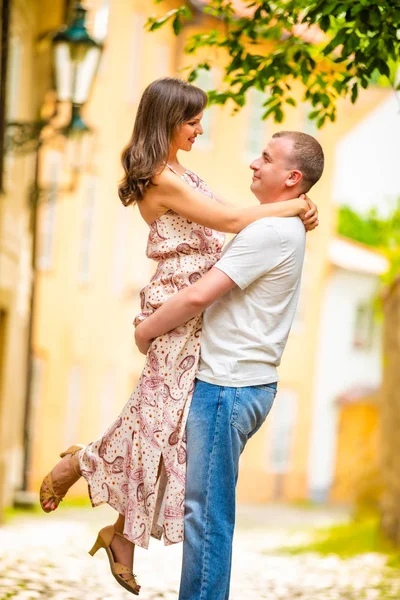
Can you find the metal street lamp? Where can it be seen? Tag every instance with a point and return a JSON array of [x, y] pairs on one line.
[[76, 57], [76, 60]]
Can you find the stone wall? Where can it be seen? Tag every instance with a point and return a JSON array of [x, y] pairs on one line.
[[390, 514]]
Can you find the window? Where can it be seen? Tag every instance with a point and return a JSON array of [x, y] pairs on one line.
[[47, 213], [256, 138], [72, 409], [363, 327], [87, 229], [282, 424], [14, 78]]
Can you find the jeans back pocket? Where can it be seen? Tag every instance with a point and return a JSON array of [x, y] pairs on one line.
[[251, 407]]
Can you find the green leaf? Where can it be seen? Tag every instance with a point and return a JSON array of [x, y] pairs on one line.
[[354, 93], [375, 16], [382, 67], [325, 100], [279, 116], [155, 24], [270, 111], [177, 25], [339, 39], [325, 23], [313, 114], [192, 76], [328, 7], [338, 86], [362, 47]]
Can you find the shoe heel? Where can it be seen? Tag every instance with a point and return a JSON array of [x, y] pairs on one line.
[[97, 545]]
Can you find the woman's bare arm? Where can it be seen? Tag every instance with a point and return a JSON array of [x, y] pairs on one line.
[[171, 193], [223, 201]]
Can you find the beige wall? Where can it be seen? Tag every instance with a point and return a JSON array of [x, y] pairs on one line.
[[23, 86]]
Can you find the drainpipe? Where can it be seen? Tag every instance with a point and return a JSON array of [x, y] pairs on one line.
[[25, 498], [5, 30]]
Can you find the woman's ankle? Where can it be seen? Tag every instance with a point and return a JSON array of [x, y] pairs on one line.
[[76, 465], [119, 524]]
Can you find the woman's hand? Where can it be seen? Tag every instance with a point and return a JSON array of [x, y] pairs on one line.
[[309, 216], [141, 342]]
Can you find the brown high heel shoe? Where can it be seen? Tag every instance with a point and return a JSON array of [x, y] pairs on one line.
[[57, 488], [104, 540]]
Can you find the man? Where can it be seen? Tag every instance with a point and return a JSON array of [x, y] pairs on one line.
[[250, 296]]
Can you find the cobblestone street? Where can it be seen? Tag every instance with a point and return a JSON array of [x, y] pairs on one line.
[[46, 557]]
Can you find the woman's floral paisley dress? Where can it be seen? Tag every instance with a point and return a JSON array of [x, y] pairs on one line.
[[138, 466]]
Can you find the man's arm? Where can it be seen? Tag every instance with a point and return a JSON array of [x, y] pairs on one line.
[[184, 305]]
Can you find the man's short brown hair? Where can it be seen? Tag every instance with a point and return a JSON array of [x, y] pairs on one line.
[[307, 156]]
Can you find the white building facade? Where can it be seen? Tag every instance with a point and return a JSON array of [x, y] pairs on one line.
[[349, 350]]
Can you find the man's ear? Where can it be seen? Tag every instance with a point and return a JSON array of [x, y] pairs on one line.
[[294, 178]]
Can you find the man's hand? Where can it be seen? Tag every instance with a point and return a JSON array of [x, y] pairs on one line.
[[309, 217], [183, 306], [141, 342]]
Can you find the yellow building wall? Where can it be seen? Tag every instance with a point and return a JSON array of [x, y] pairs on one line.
[[357, 456], [24, 81], [297, 371], [84, 333]]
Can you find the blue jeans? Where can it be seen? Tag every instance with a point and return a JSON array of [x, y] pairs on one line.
[[221, 420]]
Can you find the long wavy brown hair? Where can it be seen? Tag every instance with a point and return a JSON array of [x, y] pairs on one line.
[[166, 104]]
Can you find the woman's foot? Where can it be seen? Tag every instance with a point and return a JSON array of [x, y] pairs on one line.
[[120, 555], [123, 551], [57, 483]]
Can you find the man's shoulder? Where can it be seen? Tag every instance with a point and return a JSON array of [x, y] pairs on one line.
[[286, 228]]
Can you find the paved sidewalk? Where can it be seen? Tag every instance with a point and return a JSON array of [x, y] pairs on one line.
[[46, 557]]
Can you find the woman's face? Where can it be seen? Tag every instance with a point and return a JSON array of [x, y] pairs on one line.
[[185, 135]]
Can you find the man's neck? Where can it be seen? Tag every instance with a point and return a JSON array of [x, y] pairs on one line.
[[286, 195]]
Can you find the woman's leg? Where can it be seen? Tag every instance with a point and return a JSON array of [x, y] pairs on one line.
[[122, 549]]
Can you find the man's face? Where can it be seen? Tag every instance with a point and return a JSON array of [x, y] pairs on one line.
[[271, 171]]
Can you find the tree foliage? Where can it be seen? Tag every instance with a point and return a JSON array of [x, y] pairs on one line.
[[333, 47], [382, 233]]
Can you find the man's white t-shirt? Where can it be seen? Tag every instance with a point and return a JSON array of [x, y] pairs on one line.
[[245, 332]]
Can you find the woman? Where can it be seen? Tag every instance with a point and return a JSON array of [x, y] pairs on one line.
[[138, 466]]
